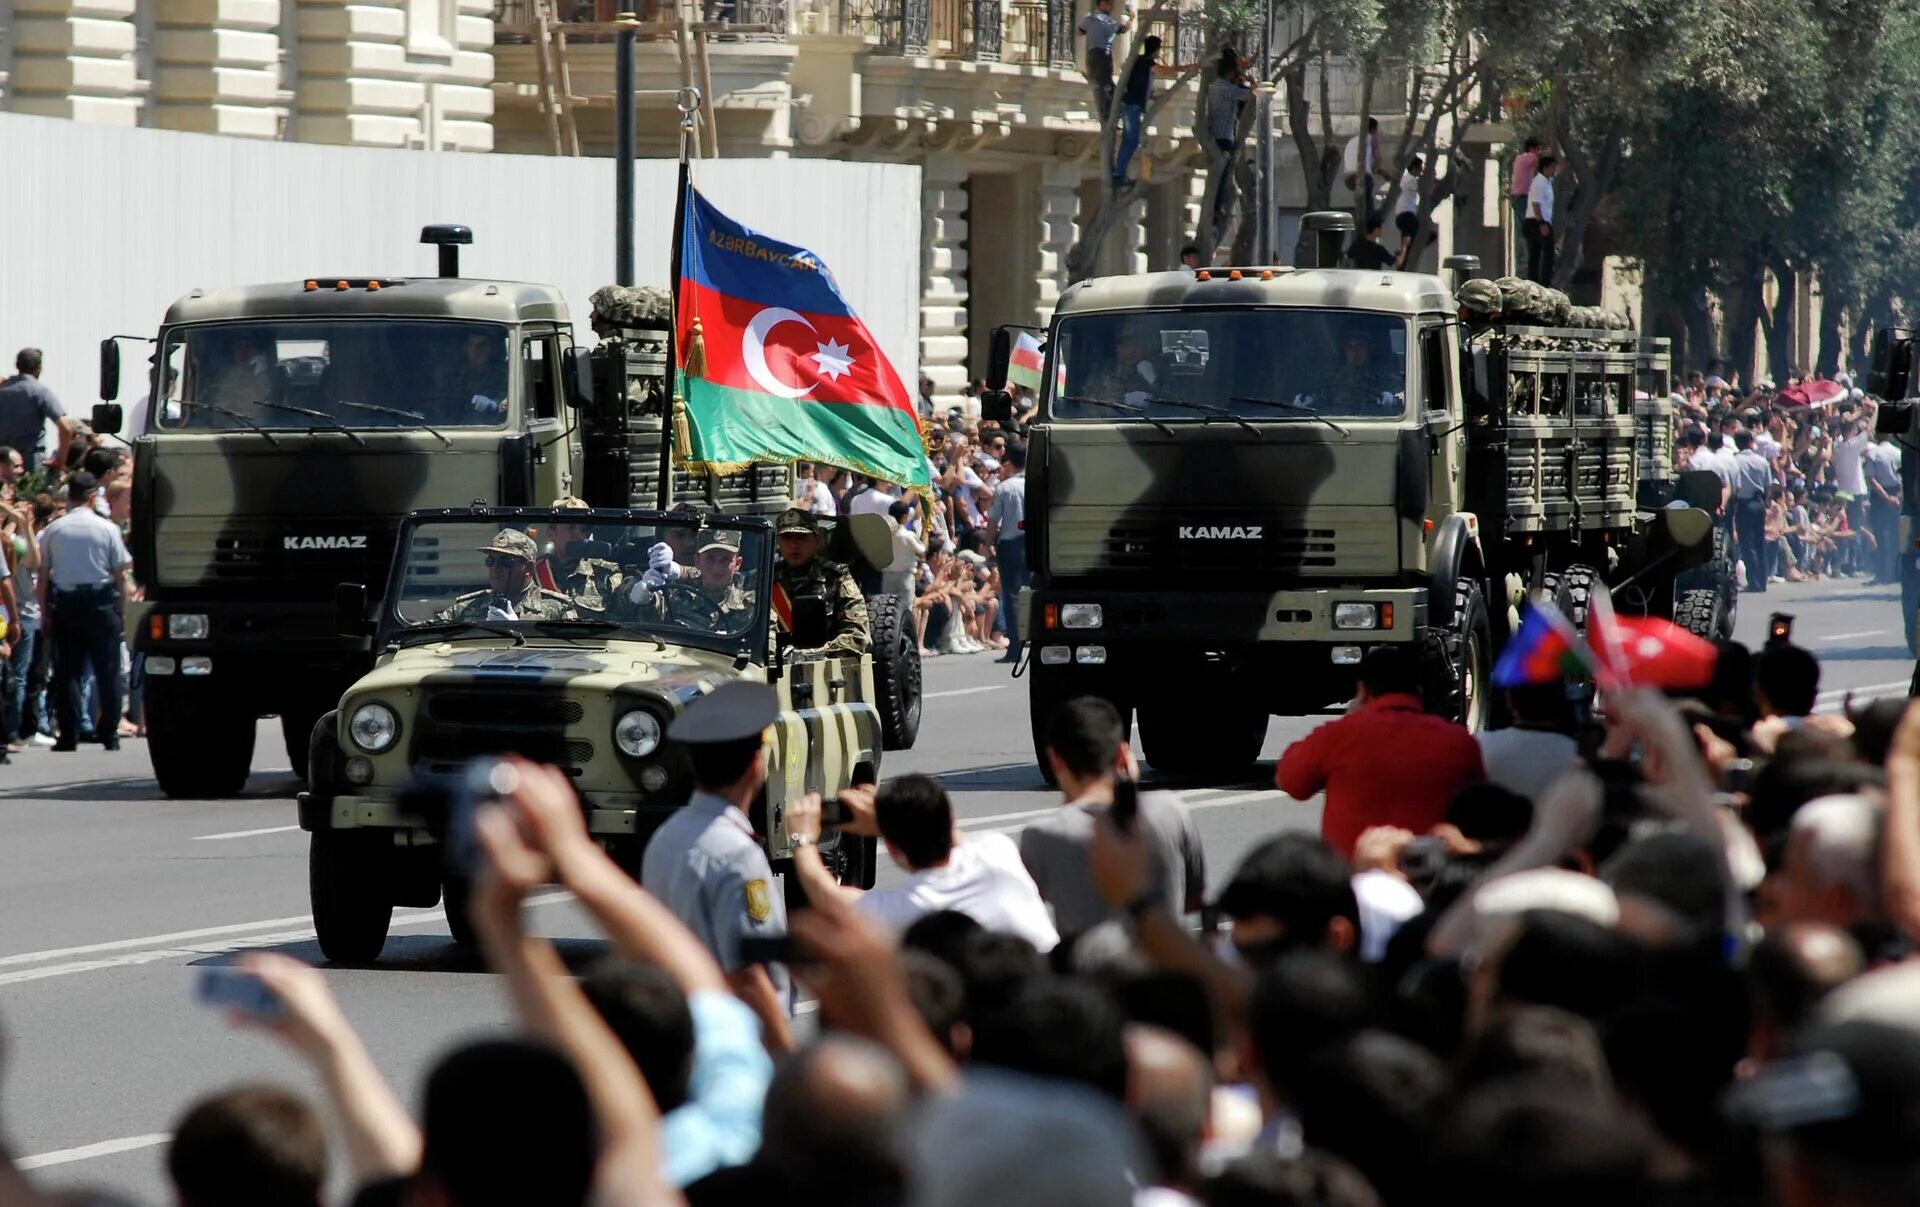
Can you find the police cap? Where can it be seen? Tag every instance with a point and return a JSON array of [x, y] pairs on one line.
[[733, 712], [797, 519]]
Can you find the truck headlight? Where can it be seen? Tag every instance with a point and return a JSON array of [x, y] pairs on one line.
[[187, 626], [373, 727], [637, 733], [1356, 616], [1082, 616]]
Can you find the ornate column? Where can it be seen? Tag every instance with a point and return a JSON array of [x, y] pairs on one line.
[[74, 59], [943, 269], [1057, 190], [217, 66]]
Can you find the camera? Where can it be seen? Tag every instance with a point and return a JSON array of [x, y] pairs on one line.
[[1779, 628]]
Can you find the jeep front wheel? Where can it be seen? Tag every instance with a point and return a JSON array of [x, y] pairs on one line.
[[351, 914]]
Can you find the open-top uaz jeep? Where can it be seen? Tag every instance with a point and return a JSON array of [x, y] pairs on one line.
[[589, 686]]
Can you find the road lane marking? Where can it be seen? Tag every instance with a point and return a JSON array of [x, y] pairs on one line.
[[87, 1152], [211, 940], [1852, 636], [244, 833], [964, 691], [1005, 823], [1840, 693]]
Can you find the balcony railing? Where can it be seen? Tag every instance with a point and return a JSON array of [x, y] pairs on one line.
[[1031, 33], [763, 20]]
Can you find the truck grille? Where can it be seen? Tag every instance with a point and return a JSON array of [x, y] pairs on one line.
[[271, 557], [456, 726], [1335, 548]]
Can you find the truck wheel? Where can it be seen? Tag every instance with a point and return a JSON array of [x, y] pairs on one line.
[[1576, 590], [1459, 683], [457, 896], [296, 730], [1698, 612], [1048, 687], [896, 670], [198, 754], [350, 916]]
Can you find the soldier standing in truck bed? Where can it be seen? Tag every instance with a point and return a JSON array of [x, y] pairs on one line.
[[801, 571]]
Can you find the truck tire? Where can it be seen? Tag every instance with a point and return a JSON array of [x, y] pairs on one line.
[[1458, 680], [350, 913], [1048, 687], [896, 670], [296, 730], [1698, 612], [1186, 741], [1574, 594], [457, 896], [198, 755]]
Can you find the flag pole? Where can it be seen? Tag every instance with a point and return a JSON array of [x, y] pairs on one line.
[[688, 102]]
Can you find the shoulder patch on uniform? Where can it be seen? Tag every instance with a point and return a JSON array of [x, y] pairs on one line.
[[759, 901]]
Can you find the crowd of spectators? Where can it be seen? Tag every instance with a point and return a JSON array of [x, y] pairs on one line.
[[50, 464], [1809, 492], [961, 559]]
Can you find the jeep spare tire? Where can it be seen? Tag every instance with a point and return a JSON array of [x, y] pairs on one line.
[[896, 670]]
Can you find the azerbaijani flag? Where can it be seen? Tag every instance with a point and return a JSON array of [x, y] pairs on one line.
[[1646, 651], [1023, 367], [1544, 649], [776, 367]]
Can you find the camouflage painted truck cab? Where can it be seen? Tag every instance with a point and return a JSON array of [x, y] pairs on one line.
[[291, 428], [1241, 481]]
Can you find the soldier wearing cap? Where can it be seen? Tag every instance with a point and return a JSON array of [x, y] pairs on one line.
[[512, 592], [710, 599], [801, 571], [588, 581], [1480, 302], [705, 864]]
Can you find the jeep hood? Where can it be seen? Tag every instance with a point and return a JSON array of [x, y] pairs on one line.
[[677, 672]]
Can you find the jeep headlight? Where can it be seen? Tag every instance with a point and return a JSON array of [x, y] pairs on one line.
[[1082, 616], [1356, 616], [637, 733], [187, 626], [373, 727]]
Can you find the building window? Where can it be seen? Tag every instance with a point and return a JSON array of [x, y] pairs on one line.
[[430, 27]]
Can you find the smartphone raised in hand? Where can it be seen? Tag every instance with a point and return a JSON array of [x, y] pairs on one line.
[[1126, 803], [237, 991]]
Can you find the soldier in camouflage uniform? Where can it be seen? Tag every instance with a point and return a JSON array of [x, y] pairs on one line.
[[801, 571], [710, 599], [616, 310], [589, 581], [511, 592]]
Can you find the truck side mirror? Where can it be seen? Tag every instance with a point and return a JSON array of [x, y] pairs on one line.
[[997, 406], [1000, 353], [1893, 418], [577, 377], [110, 370], [350, 610], [107, 418], [1890, 371]]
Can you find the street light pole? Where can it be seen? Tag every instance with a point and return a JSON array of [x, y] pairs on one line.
[[1263, 194], [623, 150]]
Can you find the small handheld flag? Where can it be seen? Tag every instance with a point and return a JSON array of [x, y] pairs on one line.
[[1544, 649], [1024, 366]]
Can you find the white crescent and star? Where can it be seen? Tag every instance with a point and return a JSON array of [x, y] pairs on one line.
[[831, 358]]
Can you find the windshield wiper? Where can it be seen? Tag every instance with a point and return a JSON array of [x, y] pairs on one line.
[[234, 415], [1205, 408], [1125, 408], [495, 628], [419, 420], [1304, 411], [332, 423]]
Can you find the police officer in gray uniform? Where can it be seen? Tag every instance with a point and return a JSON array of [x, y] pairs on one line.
[[705, 863]]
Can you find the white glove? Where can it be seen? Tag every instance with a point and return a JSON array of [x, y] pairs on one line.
[[501, 611], [660, 561], [646, 587], [481, 402]]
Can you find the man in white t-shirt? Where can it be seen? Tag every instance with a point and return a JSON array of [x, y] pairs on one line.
[[979, 875], [1538, 224], [1406, 210], [876, 499], [811, 493]]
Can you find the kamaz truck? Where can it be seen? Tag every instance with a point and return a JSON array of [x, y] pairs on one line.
[[1241, 480]]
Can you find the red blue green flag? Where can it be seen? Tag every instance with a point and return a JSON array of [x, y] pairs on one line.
[[776, 367], [1543, 650]]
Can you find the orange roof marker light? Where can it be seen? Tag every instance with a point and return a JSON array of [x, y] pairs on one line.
[[313, 284], [1234, 275], [1266, 274], [342, 285], [372, 285], [1203, 275]]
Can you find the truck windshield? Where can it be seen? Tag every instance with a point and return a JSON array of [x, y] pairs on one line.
[[544, 571], [298, 375], [1198, 366]]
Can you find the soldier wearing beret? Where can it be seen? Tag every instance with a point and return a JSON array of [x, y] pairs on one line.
[[801, 571], [512, 592], [705, 864]]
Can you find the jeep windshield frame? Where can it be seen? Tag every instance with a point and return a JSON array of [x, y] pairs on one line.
[[439, 558], [1238, 365]]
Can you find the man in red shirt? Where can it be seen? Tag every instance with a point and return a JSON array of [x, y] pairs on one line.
[[1387, 762]]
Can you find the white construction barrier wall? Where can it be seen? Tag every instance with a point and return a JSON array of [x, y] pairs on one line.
[[103, 228]]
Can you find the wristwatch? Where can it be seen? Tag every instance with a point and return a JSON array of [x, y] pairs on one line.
[[801, 840]]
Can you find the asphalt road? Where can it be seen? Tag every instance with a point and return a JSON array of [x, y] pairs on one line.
[[111, 896]]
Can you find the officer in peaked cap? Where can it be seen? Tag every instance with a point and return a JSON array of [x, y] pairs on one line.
[[705, 863], [512, 592]]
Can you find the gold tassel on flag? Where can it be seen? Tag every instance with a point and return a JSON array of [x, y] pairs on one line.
[[682, 431], [696, 365]]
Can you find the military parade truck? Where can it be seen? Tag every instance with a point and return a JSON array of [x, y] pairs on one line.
[[591, 691], [289, 427], [1240, 480]]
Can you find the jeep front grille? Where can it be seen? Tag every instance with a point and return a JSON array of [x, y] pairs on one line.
[[487, 709], [456, 726]]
